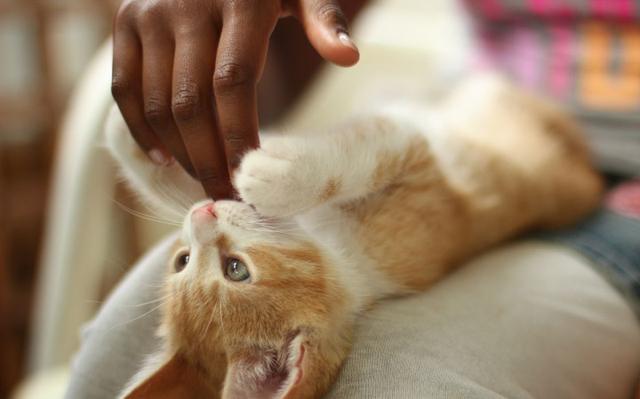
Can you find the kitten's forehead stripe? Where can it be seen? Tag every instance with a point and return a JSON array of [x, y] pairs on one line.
[[263, 257], [273, 256], [223, 243], [307, 254], [301, 268]]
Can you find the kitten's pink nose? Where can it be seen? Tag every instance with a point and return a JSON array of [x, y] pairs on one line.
[[204, 222], [205, 212]]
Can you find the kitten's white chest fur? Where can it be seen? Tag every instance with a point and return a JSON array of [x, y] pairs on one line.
[[384, 204]]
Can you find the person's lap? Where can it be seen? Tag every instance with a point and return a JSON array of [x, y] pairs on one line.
[[526, 320]]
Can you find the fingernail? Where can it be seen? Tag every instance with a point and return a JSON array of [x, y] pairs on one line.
[[158, 157], [346, 40]]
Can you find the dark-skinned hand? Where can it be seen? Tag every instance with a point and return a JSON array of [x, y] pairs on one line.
[[185, 74]]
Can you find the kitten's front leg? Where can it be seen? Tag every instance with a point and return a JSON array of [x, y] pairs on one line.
[[291, 175]]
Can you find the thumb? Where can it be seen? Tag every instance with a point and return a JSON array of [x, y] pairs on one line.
[[326, 27]]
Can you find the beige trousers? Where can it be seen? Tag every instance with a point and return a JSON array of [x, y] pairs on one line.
[[528, 320]]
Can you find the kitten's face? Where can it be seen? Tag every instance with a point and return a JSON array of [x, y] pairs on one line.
[[255, 295]]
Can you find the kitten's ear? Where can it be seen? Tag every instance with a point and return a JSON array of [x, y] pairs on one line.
[[266, 374], [173, 379]]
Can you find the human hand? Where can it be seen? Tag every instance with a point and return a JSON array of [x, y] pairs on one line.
[[185, 75]]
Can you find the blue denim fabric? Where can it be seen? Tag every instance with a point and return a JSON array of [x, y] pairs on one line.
[[612, 241]]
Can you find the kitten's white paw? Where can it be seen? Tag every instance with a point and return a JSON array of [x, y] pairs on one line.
[[278, 183]]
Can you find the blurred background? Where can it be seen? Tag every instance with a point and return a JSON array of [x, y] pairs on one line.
[[44, 47]]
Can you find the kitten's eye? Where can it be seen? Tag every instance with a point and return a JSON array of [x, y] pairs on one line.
[[181, 261], [236, 270]]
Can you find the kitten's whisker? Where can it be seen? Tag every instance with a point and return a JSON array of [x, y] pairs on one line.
[[147, 313], [185, 202], [144, 216], [161, 188], [158, 285], [150, 211], [204, 307], [140, 213], [174, 195], [221, 302], [164, 298], [206, 329]]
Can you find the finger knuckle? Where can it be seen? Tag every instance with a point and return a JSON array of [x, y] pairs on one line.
[[156, 111], [232, 75], [150, 12], [240, 5], [127, 11], [120, 86], [329, 12], [187, 101]]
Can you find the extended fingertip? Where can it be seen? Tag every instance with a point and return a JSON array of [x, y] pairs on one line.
[[345, 39], [339, 47], [326, 26]]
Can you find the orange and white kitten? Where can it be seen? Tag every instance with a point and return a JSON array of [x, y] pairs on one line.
[[263, 294]]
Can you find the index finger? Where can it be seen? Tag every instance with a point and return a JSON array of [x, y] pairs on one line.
[[193, 109], [240, 60]]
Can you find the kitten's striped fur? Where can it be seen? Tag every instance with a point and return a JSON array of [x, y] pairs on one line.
[[384, 205]]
